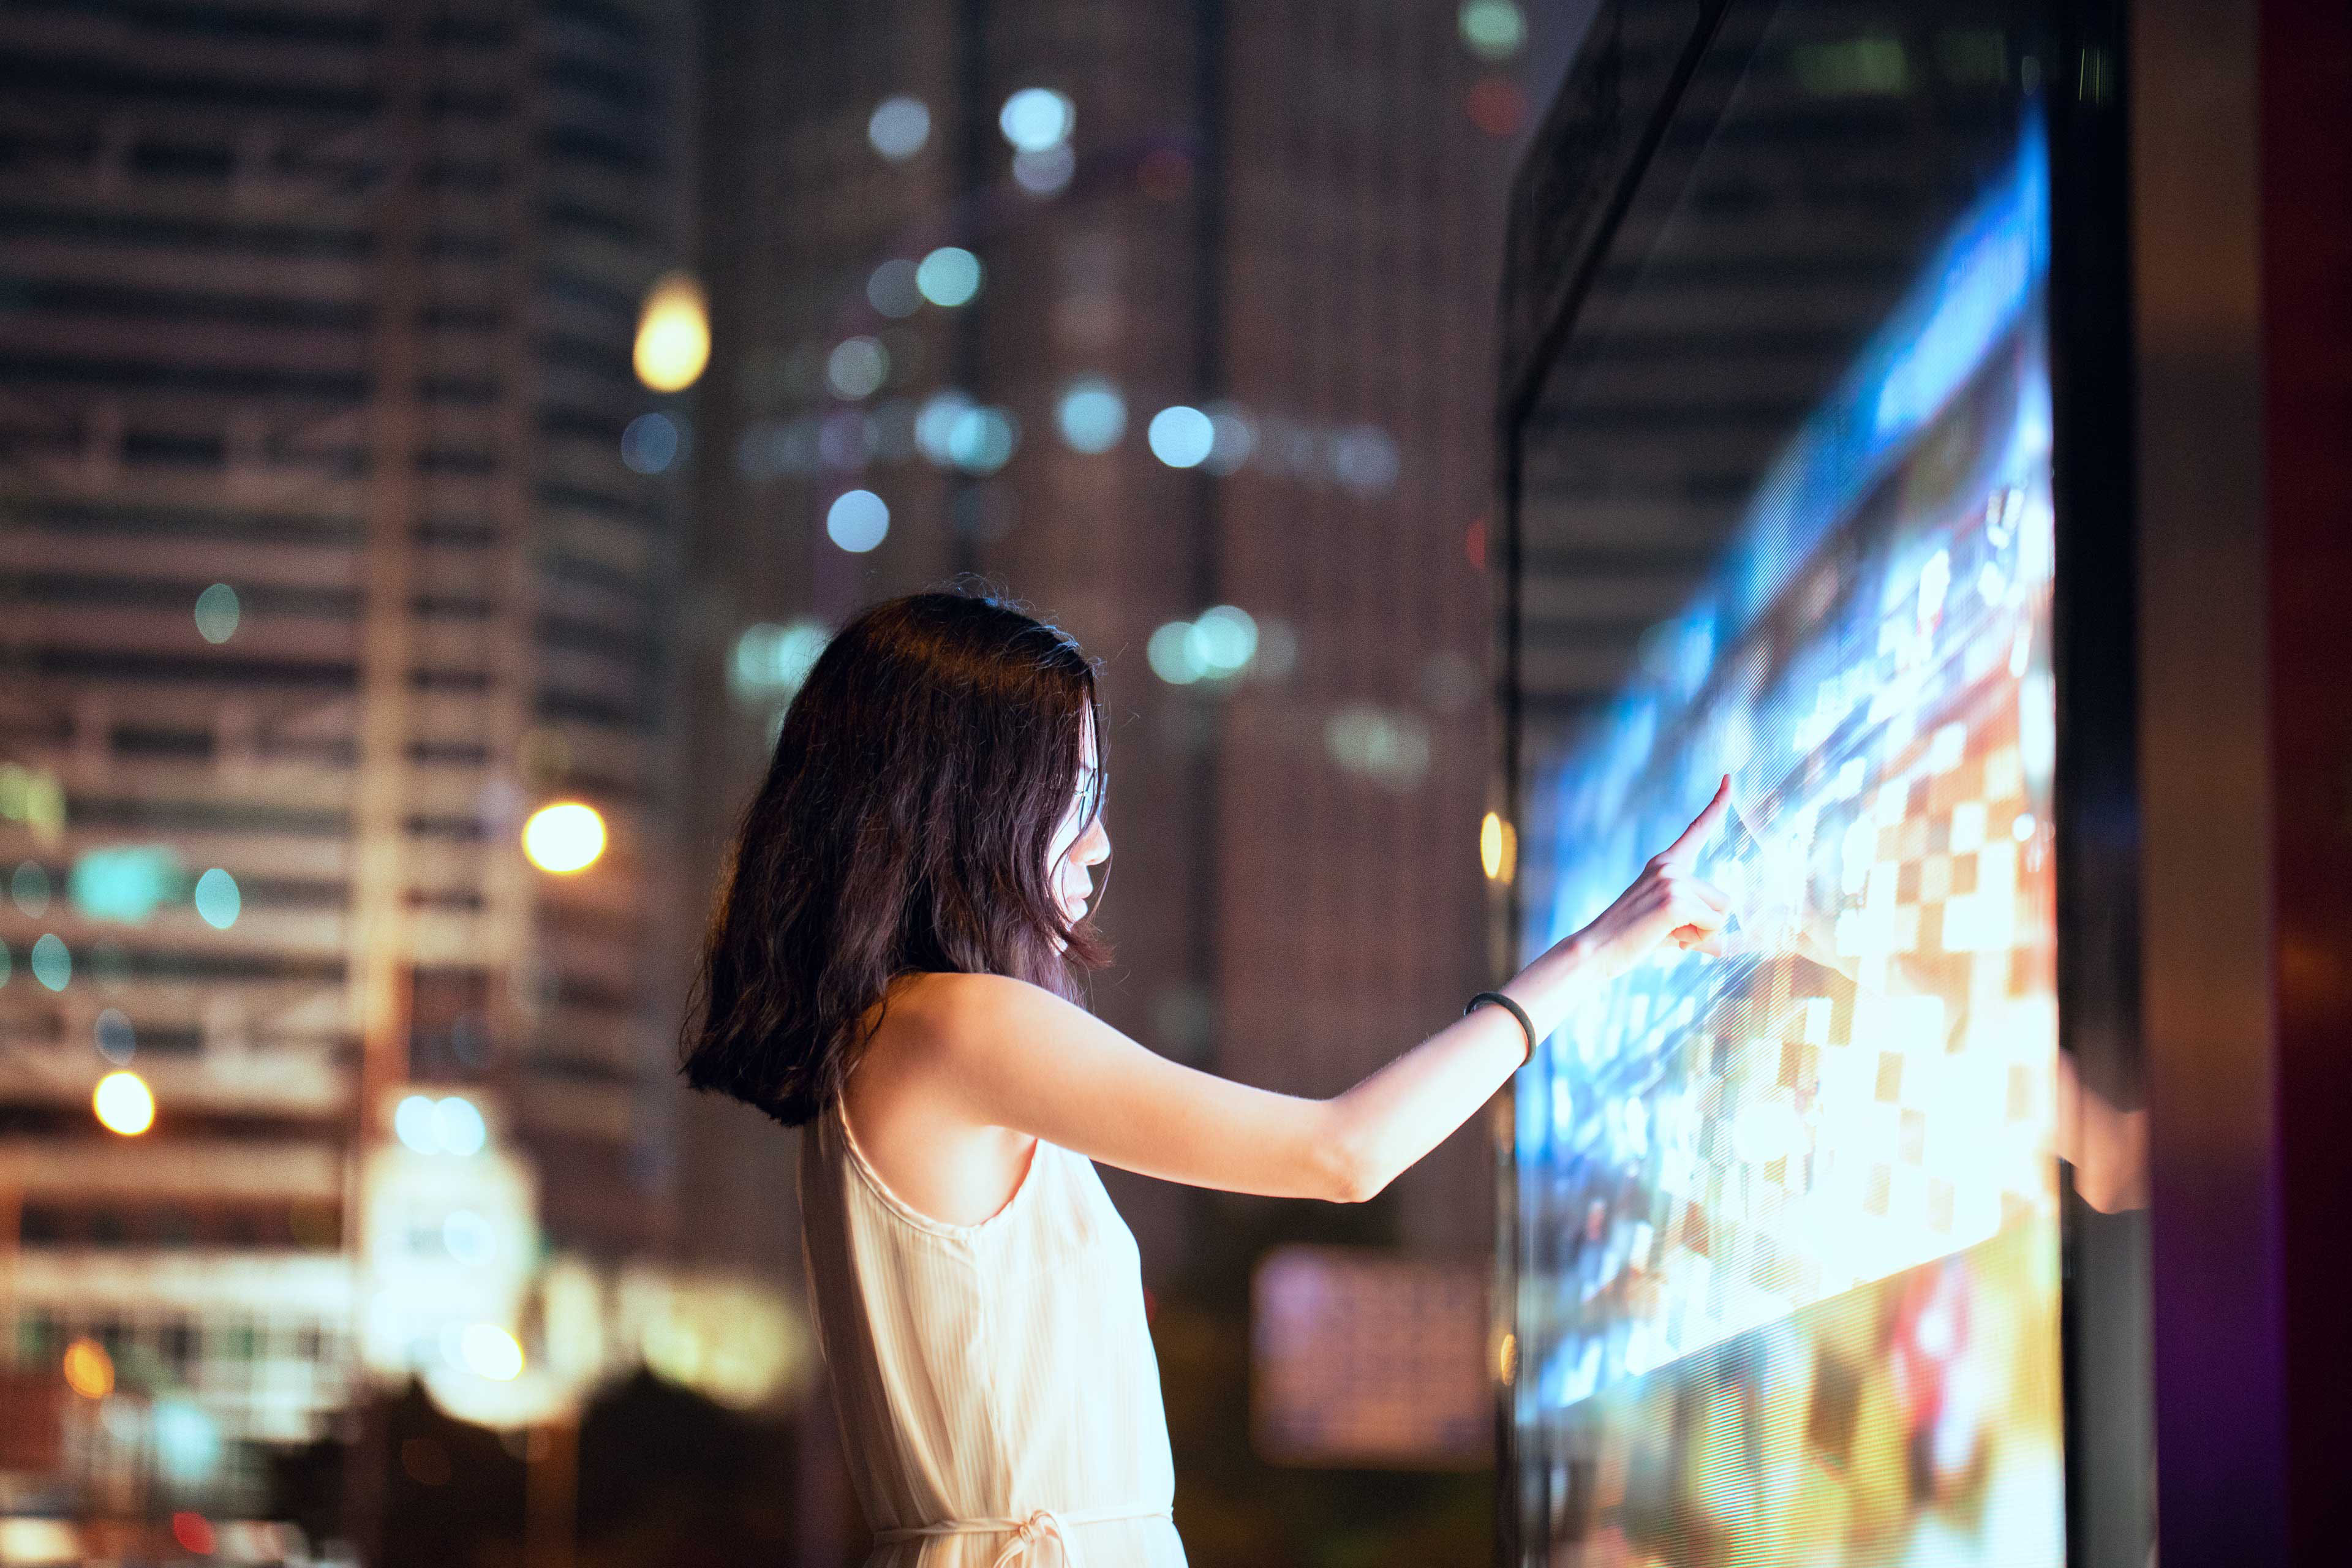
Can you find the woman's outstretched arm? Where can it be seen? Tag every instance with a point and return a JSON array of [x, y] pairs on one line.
[[1014, 1055]]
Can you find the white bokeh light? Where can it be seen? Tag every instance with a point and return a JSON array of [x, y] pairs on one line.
[[457, 1126], [935, 423], [218, 613], [1222, 640], [488, 1351], [1169, 653], [412, 1120], [981, 440], [949, 277], [898, 126], [858, 520], [1181, 437], [1044, 172], [1038, 118], [1091, 414], [856, 368]]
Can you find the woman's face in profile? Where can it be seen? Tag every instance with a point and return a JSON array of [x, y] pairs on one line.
[[1080, 845]]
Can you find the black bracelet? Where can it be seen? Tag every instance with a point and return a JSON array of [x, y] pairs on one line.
[[1517, 1012]]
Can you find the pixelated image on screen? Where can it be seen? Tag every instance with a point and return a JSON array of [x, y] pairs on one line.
[[1787, 1272]]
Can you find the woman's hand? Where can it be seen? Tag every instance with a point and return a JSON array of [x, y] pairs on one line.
[[1665, 903]]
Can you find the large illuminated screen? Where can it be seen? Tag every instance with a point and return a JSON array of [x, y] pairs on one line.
[[1785, 1218]]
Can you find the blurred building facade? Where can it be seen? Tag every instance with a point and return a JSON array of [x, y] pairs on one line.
[[1367, 153], [339, 535], [334, 545]]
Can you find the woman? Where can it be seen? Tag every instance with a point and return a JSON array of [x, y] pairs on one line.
[[894, 964]]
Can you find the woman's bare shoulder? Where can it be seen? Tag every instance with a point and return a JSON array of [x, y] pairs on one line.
[[971, 1036], [928, 1015]]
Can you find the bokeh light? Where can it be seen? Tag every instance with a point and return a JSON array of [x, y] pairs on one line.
[[773, 660], [52, 965], [188, 1446], [194, 1531], [1046, 173], [1497, 107], [856, 368], [936, 423], [1494, 30], [1222, 641], [1038, 118], [1364, 459], [649, 444], [891, 290], [673, 334], [217, 899], [1091, 414], [1219, 643], [1170, 654], [1389, 749], [858, 520], [89, 1371], [412, 1123], [123, 1103], [218, 613], [457, 1126], [1498, 847], [29, 885], [488, 1350], [112, 1034], [898, 126], [1231, 438], [1180, 436], [36, 797], [949, 276], [564, 837], [125, 882], [981, 440]]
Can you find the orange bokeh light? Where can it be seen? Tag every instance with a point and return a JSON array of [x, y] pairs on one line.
[[89, 1371]]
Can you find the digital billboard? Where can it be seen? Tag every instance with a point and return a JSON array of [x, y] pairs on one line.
[[1786, 1233]]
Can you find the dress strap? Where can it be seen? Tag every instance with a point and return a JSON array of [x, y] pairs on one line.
[[1027, 1534]]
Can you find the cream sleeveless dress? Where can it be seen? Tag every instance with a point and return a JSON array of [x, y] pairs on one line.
[[998, 1394]]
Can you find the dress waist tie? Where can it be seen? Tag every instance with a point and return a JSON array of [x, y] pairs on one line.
[[1027, 1534]]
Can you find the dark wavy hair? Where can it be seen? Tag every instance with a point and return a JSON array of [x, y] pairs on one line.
[[903, 827]]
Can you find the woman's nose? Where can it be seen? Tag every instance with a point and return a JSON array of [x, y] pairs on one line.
[[1093, 846]]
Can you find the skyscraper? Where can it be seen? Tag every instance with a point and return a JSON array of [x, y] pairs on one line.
[[325, 563]]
